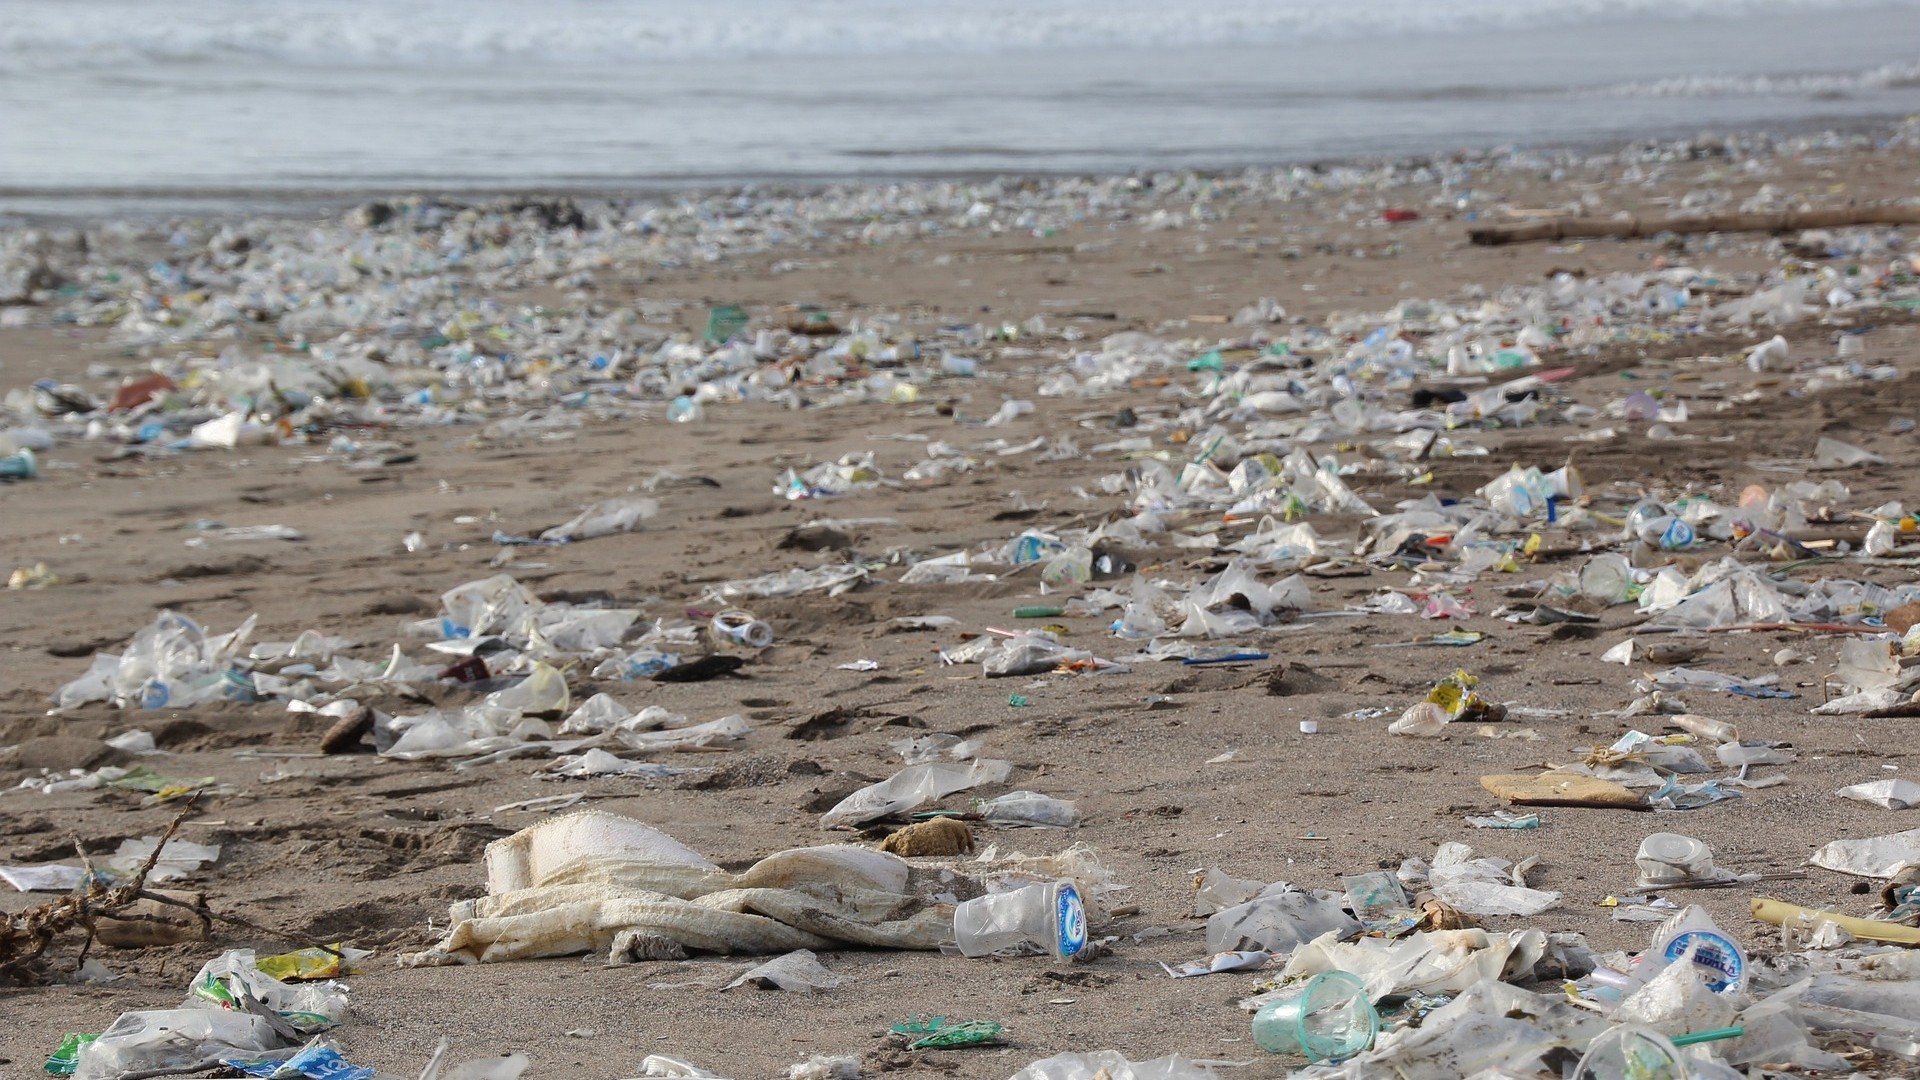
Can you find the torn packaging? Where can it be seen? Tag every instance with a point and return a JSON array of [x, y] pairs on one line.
[[573, 884]]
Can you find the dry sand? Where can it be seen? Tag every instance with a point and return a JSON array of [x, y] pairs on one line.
[[372, 851]]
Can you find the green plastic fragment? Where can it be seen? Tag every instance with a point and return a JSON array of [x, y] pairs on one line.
[[725, 321], [66, 1057], [965, 1033], [939, 1032]]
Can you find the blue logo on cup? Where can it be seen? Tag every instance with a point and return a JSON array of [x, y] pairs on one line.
[[1719, 960], [1072, 914]]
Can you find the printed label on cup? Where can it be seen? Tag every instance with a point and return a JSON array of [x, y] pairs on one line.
[[1073, 921]]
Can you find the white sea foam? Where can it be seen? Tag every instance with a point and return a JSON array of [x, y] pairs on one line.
[[1883, 77], [38, 33]]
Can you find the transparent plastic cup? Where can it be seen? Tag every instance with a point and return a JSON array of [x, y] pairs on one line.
[[1629, 1051], [1051, 917], [1328, 1018]]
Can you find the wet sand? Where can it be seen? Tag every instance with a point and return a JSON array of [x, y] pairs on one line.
[[371, 852]]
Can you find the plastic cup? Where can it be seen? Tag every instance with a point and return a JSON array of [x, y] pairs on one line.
[[1666, 858], [1629, 1051], [744, 628], [1327, 1018], [1608, 578]]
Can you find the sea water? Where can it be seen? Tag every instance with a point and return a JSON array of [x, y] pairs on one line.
[[221, 100]]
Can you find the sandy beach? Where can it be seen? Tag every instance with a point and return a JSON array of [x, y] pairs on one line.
[[1174, 768]]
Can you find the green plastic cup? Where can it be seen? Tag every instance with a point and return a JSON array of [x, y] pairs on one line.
[[1328, 1018]]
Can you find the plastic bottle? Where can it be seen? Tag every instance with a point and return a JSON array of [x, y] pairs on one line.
[[684, 409], [1705, 727], [1051, 916]]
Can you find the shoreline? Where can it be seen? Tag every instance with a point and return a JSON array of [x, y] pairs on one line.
[[29, 206]]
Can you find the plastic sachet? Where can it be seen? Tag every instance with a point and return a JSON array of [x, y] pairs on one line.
[[227, 980]]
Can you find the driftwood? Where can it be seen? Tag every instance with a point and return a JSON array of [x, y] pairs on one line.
[[127, 914], [1576, 228], [24, 938]]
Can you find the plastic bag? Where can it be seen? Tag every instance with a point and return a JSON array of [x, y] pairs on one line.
[[1112, 1065], [1834, 454], [1874, 857], [913, 786], [171, 1039], [1888, 794], [1028, 808], [1486, 886], [799, 971], [1278, 920], [225, 981], [604, 518]]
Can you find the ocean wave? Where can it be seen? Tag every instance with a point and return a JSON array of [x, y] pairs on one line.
[[1842, 85], [46, 33]]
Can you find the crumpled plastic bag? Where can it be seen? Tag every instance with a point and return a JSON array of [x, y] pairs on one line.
[[227, 979], [1874, 857], [1489, 1030], [1487, 886], [1834, 454], [1677, 1001], [1278, 919], [178, 859], [799, 971], [913, 786], [1215, 891], [1438, 962], [1887, 794], [604, 518], [1028, 808], [1866, 701], [192, 1035], [591, 881], [1867, 665], [1113, 1065]]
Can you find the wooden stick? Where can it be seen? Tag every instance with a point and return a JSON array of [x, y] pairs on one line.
[[1626, 227]]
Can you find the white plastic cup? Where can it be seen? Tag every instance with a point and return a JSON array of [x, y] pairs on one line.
[[741, 626], [1667, 858]]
